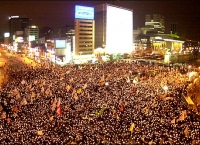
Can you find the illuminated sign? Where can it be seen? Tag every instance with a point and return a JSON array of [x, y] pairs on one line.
[[119, 30], [31, 37], [13, 17], [83, 12], [19, 39], [60, 43], [7, 34]]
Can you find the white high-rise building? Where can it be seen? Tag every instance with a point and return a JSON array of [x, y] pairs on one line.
[[113, 28]]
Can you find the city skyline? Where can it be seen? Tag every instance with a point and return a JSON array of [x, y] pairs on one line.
[[61, 13]]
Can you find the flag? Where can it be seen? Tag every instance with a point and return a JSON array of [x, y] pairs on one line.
[[58, 111], [167, 98], [85, 86], [54, 104], [42, 90], [47, 91], [68, 88], [186, 132], [173, 121], [101, 111], [132, 127], [23, 102], [15, 91], [3, 115], [127, 80], [29, 87], [39, 132], [75, 97], [150, 143], [35, 82], [32, 89], [71, 80], [142, 138], [88, 96], [102, 79], [121, 108], [23, 82], [33, 95], [79, 91], [15, 109], [146, 111], [96, 113], [74, 91], [183, 116], [162, 141], [162, 96], [154, 102], [189, 100], [51, 118]]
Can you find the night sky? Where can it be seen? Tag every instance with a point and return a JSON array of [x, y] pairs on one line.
[[61, 13]]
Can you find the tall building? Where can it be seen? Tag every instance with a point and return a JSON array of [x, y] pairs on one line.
[[113, 28], [18, 23], [32, 33], [70, 35], [155, 22], [84, 30]]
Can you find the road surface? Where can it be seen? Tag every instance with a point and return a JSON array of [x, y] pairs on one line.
[[11, 61]]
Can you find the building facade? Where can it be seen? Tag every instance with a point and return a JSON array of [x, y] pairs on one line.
[[18, 23], [32, 32], [155, 22], [113, 28], [84, 36]]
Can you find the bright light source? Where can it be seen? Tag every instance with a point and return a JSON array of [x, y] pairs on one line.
[[13, 17], [134, 81], [190, 75], [165, 88], [7, 34], [119, 34], [33, 26], [19, 39], [31, 38]]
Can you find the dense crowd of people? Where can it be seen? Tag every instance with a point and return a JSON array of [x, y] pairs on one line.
[[110, 103]]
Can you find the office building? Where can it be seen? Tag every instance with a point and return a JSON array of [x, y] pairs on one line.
[[84, 30], [32, 33], [156, 23], [18, 24], [113, 28]]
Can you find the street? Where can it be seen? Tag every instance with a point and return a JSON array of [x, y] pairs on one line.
[[11, 61]]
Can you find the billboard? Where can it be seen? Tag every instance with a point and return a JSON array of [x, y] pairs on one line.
[[119, 30], [83, 12], [60, 43]]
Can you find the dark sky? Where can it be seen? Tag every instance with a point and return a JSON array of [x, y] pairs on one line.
[[60, 13]]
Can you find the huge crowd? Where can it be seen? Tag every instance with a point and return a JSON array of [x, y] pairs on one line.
[[110, 103]]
